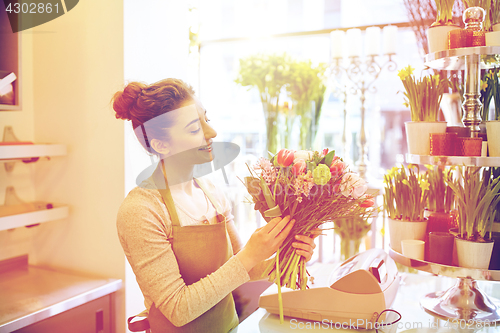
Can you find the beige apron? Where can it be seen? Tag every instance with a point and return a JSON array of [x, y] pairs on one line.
[[200, 250]]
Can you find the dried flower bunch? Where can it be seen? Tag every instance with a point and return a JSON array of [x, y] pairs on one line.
[[405, 193], [313, 188], [423, 96]]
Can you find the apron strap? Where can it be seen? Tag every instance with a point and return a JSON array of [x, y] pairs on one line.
[[162, 186], [210, 196]]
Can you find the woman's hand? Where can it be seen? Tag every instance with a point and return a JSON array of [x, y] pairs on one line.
[[305, 245], [265, 241]]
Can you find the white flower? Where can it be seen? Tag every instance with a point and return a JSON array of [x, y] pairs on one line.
[[305, 155], [353, 185]]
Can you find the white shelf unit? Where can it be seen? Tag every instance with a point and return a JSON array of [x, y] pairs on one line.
[[39, 216], [13, 153], [16, 153]]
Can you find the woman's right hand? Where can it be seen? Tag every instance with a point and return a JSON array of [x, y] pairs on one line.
[[265, 241]]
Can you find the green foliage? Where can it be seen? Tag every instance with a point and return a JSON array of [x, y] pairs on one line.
[[490, 89], [305, 84], [441, 196], [477, 196], [423, 96], [405, 193], [444, 9]]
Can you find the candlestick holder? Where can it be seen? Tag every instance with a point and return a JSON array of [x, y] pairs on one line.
[[361, 74]]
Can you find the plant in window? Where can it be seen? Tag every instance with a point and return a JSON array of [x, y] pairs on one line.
[[307, 88], [269, 73]]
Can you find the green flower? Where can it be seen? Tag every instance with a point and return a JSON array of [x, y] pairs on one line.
[[321, 174]]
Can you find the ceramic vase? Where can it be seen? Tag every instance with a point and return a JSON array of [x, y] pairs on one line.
[[473, 254], [418, 135], [400, 230], [493, 133], [437, 37]]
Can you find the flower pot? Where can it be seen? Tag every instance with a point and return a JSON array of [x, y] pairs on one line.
[[436, 222], [473, 254], [400, 230], [492, 38], [437, 37], [472, 146], [441, 247], [418, 135], [496, 27], [413, 248], [493, 132]]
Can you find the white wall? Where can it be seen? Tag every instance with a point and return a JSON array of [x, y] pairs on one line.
[[156, 44], [17, 242], [71, 67]]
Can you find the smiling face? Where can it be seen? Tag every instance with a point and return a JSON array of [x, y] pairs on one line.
[[190, 138]]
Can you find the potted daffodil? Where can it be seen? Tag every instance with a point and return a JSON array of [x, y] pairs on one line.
[[477, 195], [437, 33], [405, 198], [423, 97]]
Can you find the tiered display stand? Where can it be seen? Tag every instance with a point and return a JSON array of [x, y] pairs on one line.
[[464, 301]]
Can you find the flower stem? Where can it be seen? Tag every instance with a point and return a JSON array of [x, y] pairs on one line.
[[278, 280]]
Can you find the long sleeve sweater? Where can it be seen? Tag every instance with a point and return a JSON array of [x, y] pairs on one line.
[[144, 229]]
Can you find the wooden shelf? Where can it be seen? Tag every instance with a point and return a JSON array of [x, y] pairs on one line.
[[39, 216], [12, 153]]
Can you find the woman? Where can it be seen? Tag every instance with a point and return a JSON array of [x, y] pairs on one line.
[[177, 232]]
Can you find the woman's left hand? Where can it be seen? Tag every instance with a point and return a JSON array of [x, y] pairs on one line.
[[304, 245]]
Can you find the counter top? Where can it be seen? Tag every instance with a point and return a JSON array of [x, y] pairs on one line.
[[31, 294], [413, 318]]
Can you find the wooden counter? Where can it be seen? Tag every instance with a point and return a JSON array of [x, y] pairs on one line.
[[30, 296]]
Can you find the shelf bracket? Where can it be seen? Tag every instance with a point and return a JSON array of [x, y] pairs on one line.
[[9, 136]]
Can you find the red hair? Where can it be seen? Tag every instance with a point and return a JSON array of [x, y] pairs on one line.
[[139, 103]]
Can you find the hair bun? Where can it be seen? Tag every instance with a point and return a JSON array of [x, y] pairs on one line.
[[124, 101]]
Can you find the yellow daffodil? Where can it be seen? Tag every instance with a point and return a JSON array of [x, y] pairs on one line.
[[405, 182], [484, 85], [424, 184], [405, 72]]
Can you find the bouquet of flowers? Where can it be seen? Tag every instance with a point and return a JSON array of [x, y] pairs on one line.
[[313, 188]]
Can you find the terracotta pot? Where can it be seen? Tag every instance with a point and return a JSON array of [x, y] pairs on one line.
[[418, 135], [437, 37], [493, 132], [473, 254], [400, 230], [441, 247], [472, 146]]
